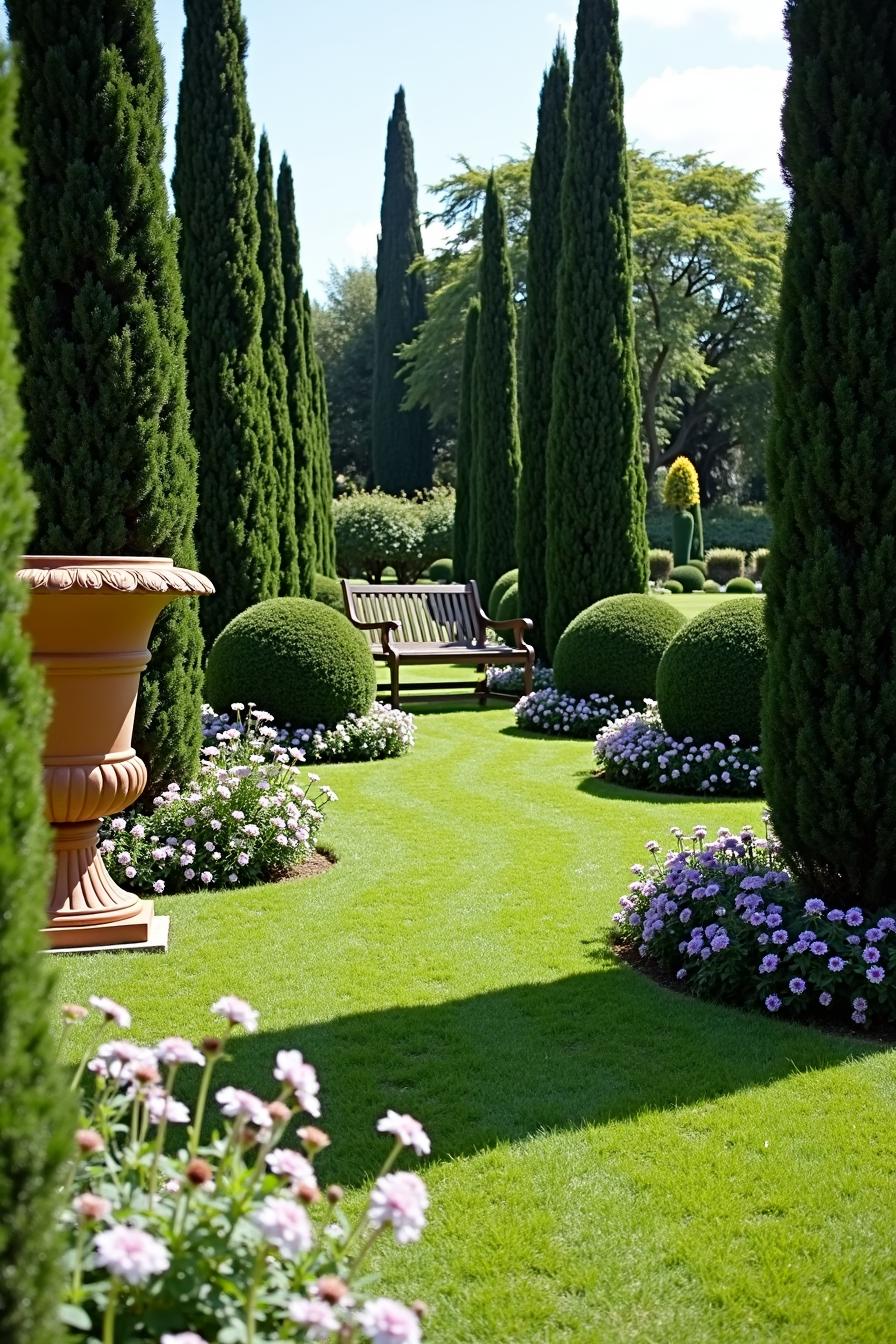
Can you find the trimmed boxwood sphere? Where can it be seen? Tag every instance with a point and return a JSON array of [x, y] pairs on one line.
[[298, 659], [499, 589], [689, 577], [673, 586], [698, 564], [442, 571], [615, 647], [328, 591], [710, 586], [508, 607], [740, 585], [708, 684]]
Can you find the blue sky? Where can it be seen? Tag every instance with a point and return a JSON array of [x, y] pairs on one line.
[[699, 74]]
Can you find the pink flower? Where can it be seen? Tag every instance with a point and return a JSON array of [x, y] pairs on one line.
[[162, 1107], [301, 1077], [400, 1199], [237, 1012], [184, 1337], [112, 1011], [176, 1050], [285, 1225], [158, 887], [73, 1012], [241, 1105], [408, 1131], [318, 1318], [131, 1254], [91, 1208], [385, 1321], [287, 1162], [205, 877], [89, 1141]]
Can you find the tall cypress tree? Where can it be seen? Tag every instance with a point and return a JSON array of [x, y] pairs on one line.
[[298, 381], [829, 723], [497, 454], [402, 440], [322, 469], [35, 1121], [215, 191], [464, 528], [597, 541], [545, 240], [273, 338], [99, 307]]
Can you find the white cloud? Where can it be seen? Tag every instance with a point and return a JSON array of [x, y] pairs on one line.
[[360, 241], [732, 112], [745, 18]]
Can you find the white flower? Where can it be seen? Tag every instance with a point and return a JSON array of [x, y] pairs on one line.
[[112, 1011], [162, 1107], [408, 1131], [287, 1162], [205, 877], [286, 1225], [131, 1254], [385, 1321], [237, 1012], [318, 1318], [184, 1337], [239, 1104], [158, 887], [301, 1077], [400, 1199]]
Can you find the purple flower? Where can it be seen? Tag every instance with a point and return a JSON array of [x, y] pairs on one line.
[[836, 964], [870, 955], [874, 935], [818, 948], [860, 1005], [858, 1017], [888, 924], [824, 998], [685, 915], [773, 1003], [681, 975], [814, 906], [835, 916], [797, 986], [768, 964], [875, 974], [854, 917], [773, 920], [780, 936], [720, 941], [854, 940]]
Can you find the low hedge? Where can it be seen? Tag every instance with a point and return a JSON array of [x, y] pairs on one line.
[[747, 527]]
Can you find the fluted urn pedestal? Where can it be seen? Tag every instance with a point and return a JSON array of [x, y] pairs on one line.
[[89, 621]]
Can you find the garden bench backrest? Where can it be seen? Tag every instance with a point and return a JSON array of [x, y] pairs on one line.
[[444, 613]]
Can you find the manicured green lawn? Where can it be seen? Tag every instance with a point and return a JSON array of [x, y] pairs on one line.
[[612, 1161]]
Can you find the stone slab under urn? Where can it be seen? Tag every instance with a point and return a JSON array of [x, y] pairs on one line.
[[89, 621]]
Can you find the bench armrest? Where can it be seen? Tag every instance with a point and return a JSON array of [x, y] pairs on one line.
[[386, 628], [520, 625]]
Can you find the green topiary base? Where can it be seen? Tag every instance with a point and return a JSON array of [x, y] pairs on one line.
[[689, 577], [708, 684], [499, 589], [296, 658], [615, 647], [329, 591]]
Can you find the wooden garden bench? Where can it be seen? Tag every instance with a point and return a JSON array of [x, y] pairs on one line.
[[432, 623]]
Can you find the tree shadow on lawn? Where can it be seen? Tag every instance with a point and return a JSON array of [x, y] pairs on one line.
[[500, 1066], [598, 787]]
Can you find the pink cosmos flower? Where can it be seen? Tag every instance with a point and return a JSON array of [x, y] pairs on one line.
[[91, 1208], [408, 1131], [112, 1011], [184, 1337], [177, 1050], [286, 1225], [237, 1012], [73, 1012], [318, 1318], [400, 1199], [162, 1107], [241, 1105], [301, 1077], [287, 1162], [131, 1254], [385, 1321]]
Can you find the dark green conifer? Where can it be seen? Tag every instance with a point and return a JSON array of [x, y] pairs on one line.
[[402, 439], [829, 722], [215, 191], [36, 1124], [99, 307], [497, 452], [464, 528], [298, 381], [597, 542], [273, 338], [545, 239]]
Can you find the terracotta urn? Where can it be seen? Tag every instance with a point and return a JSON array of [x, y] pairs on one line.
[[89, 621]]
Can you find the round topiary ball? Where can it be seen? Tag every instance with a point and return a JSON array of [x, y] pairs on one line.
[[442, 571], [508, 607], [499, 589], [298, 659], [710, 586], [698, 564], [673, 586], [709, 679], [615, 646], [689, 577], [740, 585], [328, 591]]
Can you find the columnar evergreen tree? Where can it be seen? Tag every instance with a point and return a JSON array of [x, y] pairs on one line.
[[99, 307], [497, 454], [829, 722], [402, 440], [35, 1122], [545, 240], [322, 469], [298, 380], [597, 542], [215, 191], [273, 338], [464, 524]]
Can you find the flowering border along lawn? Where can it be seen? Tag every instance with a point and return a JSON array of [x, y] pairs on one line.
[[612, 1161]]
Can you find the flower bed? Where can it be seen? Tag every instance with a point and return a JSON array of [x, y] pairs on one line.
[[232, 1240], [509, 680], [726, 918], [636, 750], [550, 711], [374, 736]]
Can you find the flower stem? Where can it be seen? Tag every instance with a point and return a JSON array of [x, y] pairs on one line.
[[252, 1296], [109, 1315], [201, 1101]]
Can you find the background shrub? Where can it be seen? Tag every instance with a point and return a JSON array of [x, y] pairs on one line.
[[508, 607], [710, 586], [614, 647], [660, 562], [741, 585], [499, 589], [724, 563], [442, 571], [296, 658], [758, 562], [708, 684], [673, 586], [689, 577], [329, 591], [375, 531], [745, 526]]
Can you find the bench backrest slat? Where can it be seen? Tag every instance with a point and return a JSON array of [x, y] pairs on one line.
[[427, 613]]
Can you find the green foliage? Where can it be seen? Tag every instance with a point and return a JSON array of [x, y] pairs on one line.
[[344, 337], [498, 589], [375, 531], [465, 516], [758, 561], [496, 465], [614, 647], [545, 240], [299, 385], [698, 564], [35, 1121], [509, 606], [682, 536], [597, 543], [830, 711], [442, 571], [328, 591], [401, 438], [689, 576], [215, 190], [660, 563], [724, 563], [747, 527], [273, 337], [300, 660], [709, 680], [740, 584], [698, 548], [681, 488], [710, 586], [102, 331], [673, 586]]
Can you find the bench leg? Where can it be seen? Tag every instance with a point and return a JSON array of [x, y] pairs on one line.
[[527, 678], [395, 694]]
